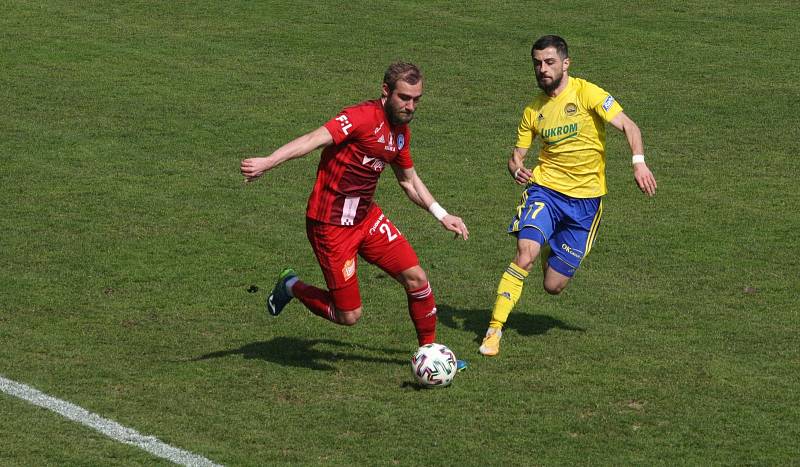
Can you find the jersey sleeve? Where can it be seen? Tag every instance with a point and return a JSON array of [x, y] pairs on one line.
[[345, 125], [526, 130], [600, 102]]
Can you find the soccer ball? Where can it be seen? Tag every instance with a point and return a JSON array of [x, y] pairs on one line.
[[434, 365]]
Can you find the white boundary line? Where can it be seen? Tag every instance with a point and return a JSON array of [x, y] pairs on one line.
[[105, 426]]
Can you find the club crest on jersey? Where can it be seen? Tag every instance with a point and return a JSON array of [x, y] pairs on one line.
[[401, 141], [571, 109], [349, 269]]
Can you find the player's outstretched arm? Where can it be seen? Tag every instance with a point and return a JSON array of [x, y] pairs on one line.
[[641, 173], [418, 193], [255, 167]]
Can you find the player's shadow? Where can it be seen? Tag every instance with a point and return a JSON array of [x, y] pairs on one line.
[[305, 353], [477, 320]]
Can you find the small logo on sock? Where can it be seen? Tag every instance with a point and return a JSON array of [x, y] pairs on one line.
[[506, 295], [432, 313]]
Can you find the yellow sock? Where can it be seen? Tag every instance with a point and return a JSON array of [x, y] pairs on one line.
[[508, 292]]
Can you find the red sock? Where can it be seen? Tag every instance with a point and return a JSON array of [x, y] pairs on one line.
[[315, 299], [422, 309]]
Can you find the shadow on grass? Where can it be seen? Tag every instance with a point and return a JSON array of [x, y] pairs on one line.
[[477, 320], [295, 352]]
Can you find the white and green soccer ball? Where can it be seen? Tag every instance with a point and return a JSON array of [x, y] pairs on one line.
[[434, 365]]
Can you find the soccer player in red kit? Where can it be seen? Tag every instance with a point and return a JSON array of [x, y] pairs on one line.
[[343, 221]]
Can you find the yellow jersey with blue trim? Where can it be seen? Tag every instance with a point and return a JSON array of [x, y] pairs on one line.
[[571, 127]]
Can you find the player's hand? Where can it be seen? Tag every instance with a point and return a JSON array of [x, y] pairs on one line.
[[455, 224], [522, 175], [645, 179], [254, 167]]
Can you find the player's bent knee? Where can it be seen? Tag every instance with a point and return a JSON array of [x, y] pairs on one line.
[[348, 318], [413, 278], [554, 284], [555, 280], [554, 289]]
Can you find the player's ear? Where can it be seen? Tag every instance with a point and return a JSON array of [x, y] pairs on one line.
[[385, 90], [566, 64]]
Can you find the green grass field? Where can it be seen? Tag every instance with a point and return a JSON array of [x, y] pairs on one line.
[[128, 240]]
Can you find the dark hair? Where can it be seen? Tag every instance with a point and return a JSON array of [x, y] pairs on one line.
[[401, 71], [551, 41]]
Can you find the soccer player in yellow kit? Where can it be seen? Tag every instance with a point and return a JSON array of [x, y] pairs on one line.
[[562, 203]]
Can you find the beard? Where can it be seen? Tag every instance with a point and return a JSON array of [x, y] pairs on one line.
[[549, 88], [397, 116]]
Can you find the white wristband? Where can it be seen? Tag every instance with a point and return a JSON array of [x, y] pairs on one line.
[[437, 211], [637, 159]]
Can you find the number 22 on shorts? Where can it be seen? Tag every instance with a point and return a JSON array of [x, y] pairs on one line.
[[385, 229]]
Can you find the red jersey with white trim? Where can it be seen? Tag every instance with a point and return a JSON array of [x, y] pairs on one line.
[[347, 176]]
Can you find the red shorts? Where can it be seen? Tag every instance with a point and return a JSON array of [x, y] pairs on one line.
[[337, 247]]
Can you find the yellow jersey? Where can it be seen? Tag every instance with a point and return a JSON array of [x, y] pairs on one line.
[[571, 127]]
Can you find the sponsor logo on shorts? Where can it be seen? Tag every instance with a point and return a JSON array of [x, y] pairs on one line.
[[376, 224], [572, 251], [349, 269]]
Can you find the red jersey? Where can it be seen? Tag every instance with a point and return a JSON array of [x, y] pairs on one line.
[[363, 143]]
